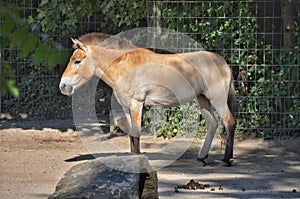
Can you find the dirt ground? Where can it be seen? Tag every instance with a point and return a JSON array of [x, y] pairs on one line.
[[35, 155]]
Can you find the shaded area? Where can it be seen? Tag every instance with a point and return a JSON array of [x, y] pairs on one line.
[[261, 169], [34, 160], [81, 158], [62, 125]]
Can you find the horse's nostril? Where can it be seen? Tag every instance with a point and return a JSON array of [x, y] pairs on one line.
[[62, 86], [65, 86]]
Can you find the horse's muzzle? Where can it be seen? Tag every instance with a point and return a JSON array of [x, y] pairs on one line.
[[65, 87]]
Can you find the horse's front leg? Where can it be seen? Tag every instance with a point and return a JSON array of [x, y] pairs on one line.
[[135, 109], [134, 144]]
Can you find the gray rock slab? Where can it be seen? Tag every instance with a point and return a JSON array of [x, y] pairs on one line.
[[124, 176]]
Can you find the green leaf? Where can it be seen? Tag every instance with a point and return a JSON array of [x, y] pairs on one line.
[[43, 2], [7, 27], [29, 45], [12, 88], [19, 37], [107, 6], [63, 57], [4, 42], [62, 7], [40, 53], [53, 59]]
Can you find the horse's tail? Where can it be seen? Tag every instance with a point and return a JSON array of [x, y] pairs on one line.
[[231, 96], [230, 104]]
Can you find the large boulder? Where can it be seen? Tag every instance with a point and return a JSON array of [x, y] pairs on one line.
[[124, 176]]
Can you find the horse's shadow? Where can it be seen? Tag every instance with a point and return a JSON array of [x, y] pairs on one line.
[[188, 157]]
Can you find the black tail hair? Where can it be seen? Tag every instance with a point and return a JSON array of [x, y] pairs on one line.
[[231, 97]]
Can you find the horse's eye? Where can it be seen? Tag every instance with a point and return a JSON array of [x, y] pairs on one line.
[[76, 62]]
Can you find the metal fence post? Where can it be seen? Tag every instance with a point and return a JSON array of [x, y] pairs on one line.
[[0, 85], [154, 20]]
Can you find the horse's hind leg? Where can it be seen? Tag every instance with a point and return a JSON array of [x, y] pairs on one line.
[[211, 126], [230, 124]]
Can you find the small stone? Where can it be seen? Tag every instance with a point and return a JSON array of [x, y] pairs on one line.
[[23, 115], [185, 187], [201, 186], [206, 185], [243, 189], [212, 189], [294, 191], [220, 188]]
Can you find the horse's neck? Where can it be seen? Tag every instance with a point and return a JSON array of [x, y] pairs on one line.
[[103, 60], [100, 74]]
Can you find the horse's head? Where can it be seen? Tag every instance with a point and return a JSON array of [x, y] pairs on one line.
[[79, 70]]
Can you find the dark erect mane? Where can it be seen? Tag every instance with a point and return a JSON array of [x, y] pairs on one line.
[[106, 41], [95, 38]]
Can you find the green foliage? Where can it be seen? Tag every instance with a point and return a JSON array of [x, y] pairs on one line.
[[63, 16], [216, 26], [230, 29], [181, 120], [273, 96], [17, 34], [226, 27], [32, 40], [171, 126]]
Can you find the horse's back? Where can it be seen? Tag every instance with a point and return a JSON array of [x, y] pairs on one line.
[[212, 70], [206, 60]]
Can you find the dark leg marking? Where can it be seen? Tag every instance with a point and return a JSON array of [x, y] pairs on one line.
[[134, 144]]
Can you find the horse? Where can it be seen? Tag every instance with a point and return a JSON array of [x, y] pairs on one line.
[[139, 77]]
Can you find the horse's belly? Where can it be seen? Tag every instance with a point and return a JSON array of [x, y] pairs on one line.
[[169, 97]]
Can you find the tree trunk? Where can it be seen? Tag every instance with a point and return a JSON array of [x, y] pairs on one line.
[[289, 21]]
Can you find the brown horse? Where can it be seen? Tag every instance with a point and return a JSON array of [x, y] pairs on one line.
[[141, 77]]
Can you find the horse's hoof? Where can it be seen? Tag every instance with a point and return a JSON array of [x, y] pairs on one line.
[[135, 153], [202, 160], [224, 163]]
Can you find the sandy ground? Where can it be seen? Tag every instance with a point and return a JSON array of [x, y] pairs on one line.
[[33, 159]]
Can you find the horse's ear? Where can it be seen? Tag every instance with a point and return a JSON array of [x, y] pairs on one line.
[[79, 45]]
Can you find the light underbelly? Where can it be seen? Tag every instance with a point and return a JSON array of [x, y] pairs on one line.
[[166, 97]]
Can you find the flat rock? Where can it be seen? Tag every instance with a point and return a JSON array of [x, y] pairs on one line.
[[123, 176]]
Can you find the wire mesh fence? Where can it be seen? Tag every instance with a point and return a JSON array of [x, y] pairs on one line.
[[259, 40], [40, 97]]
